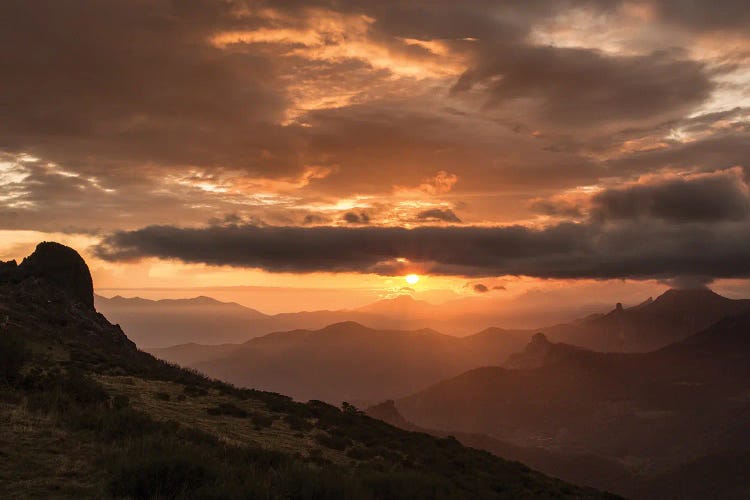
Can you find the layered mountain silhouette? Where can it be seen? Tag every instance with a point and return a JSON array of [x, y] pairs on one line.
[[671, 317], [655, 412], [86, 414], [347, 361], [161, 323]]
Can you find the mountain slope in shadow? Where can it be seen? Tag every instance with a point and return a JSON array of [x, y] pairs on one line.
[[654, 412], [347, 361]]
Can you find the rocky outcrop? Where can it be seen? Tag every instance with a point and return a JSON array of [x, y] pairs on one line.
[[57, 265]]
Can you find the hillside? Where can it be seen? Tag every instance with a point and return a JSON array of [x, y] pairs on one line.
[[347, 361], [652, 412], [85, 414]]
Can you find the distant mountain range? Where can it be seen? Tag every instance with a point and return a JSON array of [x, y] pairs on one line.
[[673, 316], [347, 361]]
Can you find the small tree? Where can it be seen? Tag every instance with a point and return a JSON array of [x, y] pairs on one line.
[[350, 409]]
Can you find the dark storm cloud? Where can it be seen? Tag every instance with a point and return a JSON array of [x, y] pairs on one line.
[[438, 214], [586, 87], [635, 250], [718, 197], [707, 197]]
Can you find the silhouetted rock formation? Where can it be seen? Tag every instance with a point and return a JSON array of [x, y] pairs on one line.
[[57, 265]]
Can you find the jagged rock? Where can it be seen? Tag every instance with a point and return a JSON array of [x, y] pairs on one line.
[[7, 270], [61, 267]]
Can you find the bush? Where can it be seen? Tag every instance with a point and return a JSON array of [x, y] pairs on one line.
[[162, 396], [84, 390], [228, 409], [192, 390], [335, 442], [120, 401], [261, 421], [160, 476], [297, 423], [13, 356]]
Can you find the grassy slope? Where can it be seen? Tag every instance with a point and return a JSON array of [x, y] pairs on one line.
[[89, 415]]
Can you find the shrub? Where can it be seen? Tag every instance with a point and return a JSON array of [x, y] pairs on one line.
[[228, 409], [120, 401], [13, 356], [162, 396], [84, 390], [297, 423], [261, 421], [335, 442], [193, 390], [160, 476]]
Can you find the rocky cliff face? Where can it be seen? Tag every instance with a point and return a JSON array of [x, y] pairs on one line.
[[57, 265]]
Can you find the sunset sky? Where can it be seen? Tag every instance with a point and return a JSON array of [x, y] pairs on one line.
[[311, 154]]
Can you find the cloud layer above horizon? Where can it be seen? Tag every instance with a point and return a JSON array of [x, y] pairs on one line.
[[571, 139]]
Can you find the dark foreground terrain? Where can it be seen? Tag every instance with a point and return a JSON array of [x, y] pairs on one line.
[[86, 414]]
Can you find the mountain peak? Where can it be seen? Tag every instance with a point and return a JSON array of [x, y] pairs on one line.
[[60, 266], [344, 326], [686, 296]]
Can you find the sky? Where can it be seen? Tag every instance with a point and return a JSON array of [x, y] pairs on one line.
[[329, 148]]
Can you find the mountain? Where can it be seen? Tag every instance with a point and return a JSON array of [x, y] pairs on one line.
[[161, 323], [540, 352], [403, 305], [654, 412], [347, 361], [84, 413], [671, 317]]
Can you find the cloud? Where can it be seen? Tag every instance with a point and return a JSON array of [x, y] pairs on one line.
[[438, 214], [480, 288], [314, 219], [630, 249], [357, 218], [718, 196], [703, 197], [585, 87], [152, 111]]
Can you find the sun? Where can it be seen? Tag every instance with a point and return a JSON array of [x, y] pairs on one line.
[[412, 279]]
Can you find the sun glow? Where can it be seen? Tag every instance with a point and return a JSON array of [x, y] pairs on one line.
[[412, 279]]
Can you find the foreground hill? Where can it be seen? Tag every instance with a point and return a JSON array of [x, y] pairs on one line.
[[671, 317], [347, 361], [85, 414], [656, 412]]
